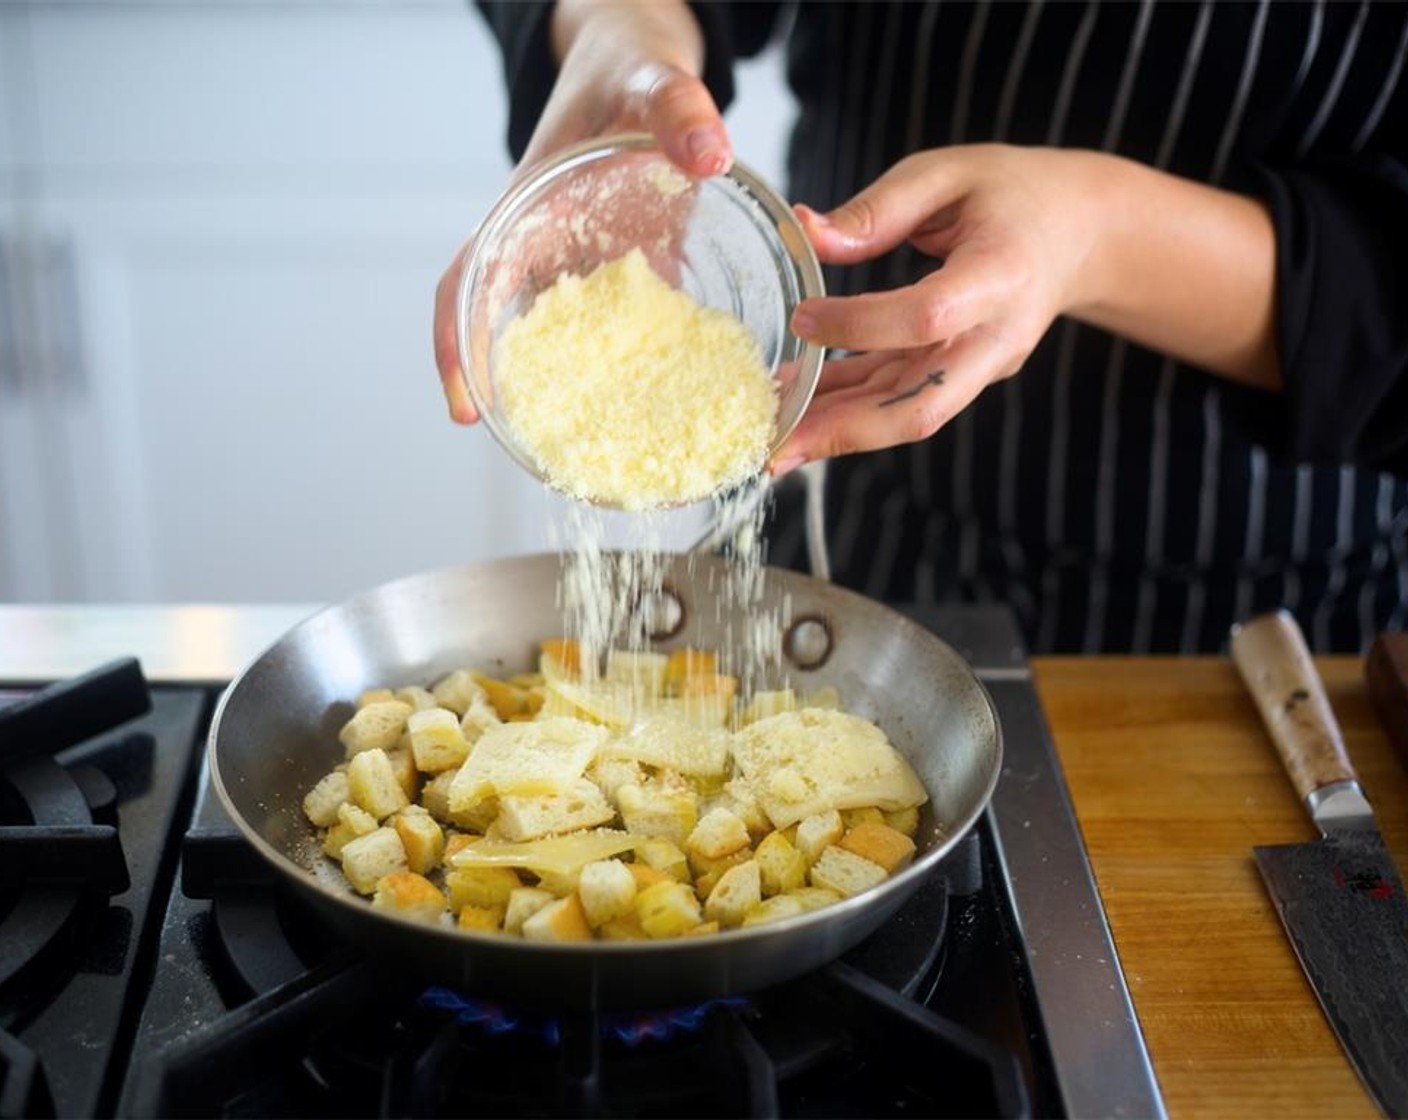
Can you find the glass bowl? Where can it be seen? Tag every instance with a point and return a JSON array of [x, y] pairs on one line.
[[730, 242]]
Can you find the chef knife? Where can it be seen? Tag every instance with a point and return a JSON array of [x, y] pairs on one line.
[[1340, 898]]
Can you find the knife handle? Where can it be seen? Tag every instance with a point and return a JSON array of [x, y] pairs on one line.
[[1271, 654]]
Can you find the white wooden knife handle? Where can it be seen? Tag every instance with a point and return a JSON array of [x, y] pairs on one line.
[[1271, 654]]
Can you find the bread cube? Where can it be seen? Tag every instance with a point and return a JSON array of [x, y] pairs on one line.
[[774, 910], [523, 903], [663, 855], [738, 890], [560, 920], [825, 698], [421, 836], [457, 691], [707, 872], [845, 872], [782, 866], [377, 726], [352, 822], [642, 673], [880, 844], [709, 686], [703, 929], [904, 820], [652, 810], [420, 699], [527, 818], [814, 898], [375, 696], [437, 742], [623, 927], [410, 895], [852, 817], [480, 919], [610, 774], [367, 858], [508, 701], [718, 833], [607, 888], [485, 887], [764, 704], [647, 876], [682, 664], [560, 657], [477, 719], [740, 800], [403, 765], [817, 832], [667, 909], [372, 784], [321, 803]]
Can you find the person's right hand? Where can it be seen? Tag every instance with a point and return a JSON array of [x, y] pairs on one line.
[[624, 67]]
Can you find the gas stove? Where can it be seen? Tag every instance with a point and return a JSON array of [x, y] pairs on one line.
[[151, 966]]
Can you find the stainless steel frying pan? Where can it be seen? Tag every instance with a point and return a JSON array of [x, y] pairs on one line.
[[275, 733]]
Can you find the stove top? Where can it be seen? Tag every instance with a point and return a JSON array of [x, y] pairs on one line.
[[171, 975]]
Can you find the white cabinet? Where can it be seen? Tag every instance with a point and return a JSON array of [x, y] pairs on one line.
[[222, 225]]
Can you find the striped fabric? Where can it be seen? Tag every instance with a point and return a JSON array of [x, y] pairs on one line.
[[1117, 500]]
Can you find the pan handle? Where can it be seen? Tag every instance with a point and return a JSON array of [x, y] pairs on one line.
[[813, 476], [1271, 654]]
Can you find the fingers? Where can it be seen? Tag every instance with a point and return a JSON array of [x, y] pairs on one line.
[[885, 214], [679, 111], [972, 286], [446, 335], [903, 399]]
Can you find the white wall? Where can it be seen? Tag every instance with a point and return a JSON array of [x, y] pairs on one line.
[[220, 229]]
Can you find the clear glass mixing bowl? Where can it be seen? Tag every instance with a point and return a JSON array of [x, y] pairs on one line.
[[730, 242]]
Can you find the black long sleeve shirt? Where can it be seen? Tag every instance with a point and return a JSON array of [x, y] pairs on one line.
[[1116, 499]]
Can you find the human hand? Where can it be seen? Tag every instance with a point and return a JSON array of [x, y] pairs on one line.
[[1015, 229], [623, 67]]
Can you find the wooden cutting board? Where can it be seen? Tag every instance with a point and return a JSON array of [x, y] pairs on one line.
[[1386, 673]]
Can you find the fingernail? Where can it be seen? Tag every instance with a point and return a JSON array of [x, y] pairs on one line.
[[803, 324], [813, 215], [706, 151], [783, 466]]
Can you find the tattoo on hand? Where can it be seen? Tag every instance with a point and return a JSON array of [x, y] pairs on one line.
[[935, 378]]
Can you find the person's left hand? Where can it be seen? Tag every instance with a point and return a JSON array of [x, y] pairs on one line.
[[1015, 229]]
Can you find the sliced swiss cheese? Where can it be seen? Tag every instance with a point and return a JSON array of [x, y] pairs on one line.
[[815, 760], [529, 759], [667, 740]]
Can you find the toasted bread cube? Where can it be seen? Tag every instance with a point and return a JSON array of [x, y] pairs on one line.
[[481, 919], [710, 686], [377, 726], [647, 876], [738, 890], [664, 855], [667, 909], [457, 691], [651, 810], [410, 895], [852, 817], [367, 858], [420, 699], [741, 801], [508, 701], [477, 719], [437, 742], [435, 796], [523, 903], [642, 673], [421, 836], [774, 910], [845, 872], [563, 657], [782, 866], [703, 929], [708, 872], [527, 818], [685, 663], [718, 833], [403, 765], [454, 841], [826, 698], [321, 803], [372, 784], [880, 844], [624, 927], [485, 887], [560, 883], [560, 920], [607, 888], [610, 774], [375, 696], [764, 704], [352, 822], [814, 898], [904, 820], [817, 832]]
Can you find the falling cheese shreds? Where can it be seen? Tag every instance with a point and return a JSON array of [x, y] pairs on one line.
[[625, 391]]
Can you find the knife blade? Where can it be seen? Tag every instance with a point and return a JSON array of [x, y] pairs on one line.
[[1339, 898]]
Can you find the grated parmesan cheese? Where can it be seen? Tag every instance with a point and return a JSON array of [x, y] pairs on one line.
[[626, 391]]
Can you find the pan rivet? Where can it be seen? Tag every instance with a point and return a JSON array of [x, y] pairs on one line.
[[808, 642], [660, 613]]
